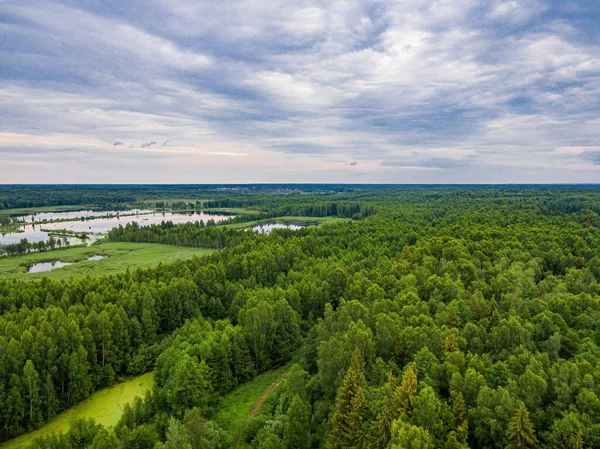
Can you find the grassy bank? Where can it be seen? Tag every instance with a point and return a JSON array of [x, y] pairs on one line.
[[105, 406], [119, 257], [37, 210]]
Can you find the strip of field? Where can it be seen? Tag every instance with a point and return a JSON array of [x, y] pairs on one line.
[[105, 406], [119, 257], [35, 210], [245, 401]]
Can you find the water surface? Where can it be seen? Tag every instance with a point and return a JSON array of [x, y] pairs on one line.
[[77, 214], [268, 227], [43, 267], [47, 266], [34, 233]]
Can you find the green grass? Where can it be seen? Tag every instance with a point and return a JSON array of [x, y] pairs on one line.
[[105, 406], [233, 412], [120, 256], [32, 210]]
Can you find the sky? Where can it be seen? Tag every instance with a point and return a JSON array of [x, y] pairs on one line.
[[253, 91]]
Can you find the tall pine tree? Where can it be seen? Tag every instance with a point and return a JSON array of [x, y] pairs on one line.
[[296, 427], [403, 395], [520, 431], [460, 420], [577, 440], [348, 417], [382, 429]]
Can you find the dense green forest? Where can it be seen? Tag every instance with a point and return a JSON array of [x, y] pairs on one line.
[[439, 317]]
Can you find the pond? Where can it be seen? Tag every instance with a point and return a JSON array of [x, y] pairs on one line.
[[36, 232], [268, 227], [42, 267], [47, 266]]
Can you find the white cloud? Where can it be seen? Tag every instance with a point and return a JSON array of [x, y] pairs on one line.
[[516, 10]]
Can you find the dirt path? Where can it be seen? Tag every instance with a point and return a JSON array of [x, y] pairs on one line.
[[259, 402], [264, 395]]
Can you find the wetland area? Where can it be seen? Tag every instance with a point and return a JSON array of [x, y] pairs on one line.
[[73, 225]]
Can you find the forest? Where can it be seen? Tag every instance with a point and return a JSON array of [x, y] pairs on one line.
[[447, 317]]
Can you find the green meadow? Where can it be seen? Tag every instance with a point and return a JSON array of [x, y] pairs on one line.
[[236, 406], [105, 406], [119, 257]]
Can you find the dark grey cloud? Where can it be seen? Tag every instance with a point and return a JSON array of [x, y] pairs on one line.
[[591, 156], [437, 162], [303, 148], [147, 144], [117, 143], [352, 163]]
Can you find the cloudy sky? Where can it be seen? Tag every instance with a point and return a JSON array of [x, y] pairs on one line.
[[394, 91]]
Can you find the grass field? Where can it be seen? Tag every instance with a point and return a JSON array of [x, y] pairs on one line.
[[105, 406], [120, 256], [35, 210], [237, 405]]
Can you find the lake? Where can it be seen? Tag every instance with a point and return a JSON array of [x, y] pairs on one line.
[[33, 232], [74, 215]]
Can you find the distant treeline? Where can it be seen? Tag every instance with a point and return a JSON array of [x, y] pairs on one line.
[[25, 246], [348, 209], [112, 196], [195, 234], [17, 197]]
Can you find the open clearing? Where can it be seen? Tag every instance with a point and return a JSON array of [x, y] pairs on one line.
[[245, 401], [119, 257], [105, 406]]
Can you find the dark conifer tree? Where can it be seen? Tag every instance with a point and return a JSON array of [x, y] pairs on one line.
[[348, 416]]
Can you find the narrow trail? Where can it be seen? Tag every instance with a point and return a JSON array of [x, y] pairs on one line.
[[264, 395], [259, 402]]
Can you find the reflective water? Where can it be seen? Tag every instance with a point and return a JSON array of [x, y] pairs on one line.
[[74, 215], [267, 228], [49, 266], [33, 232]]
